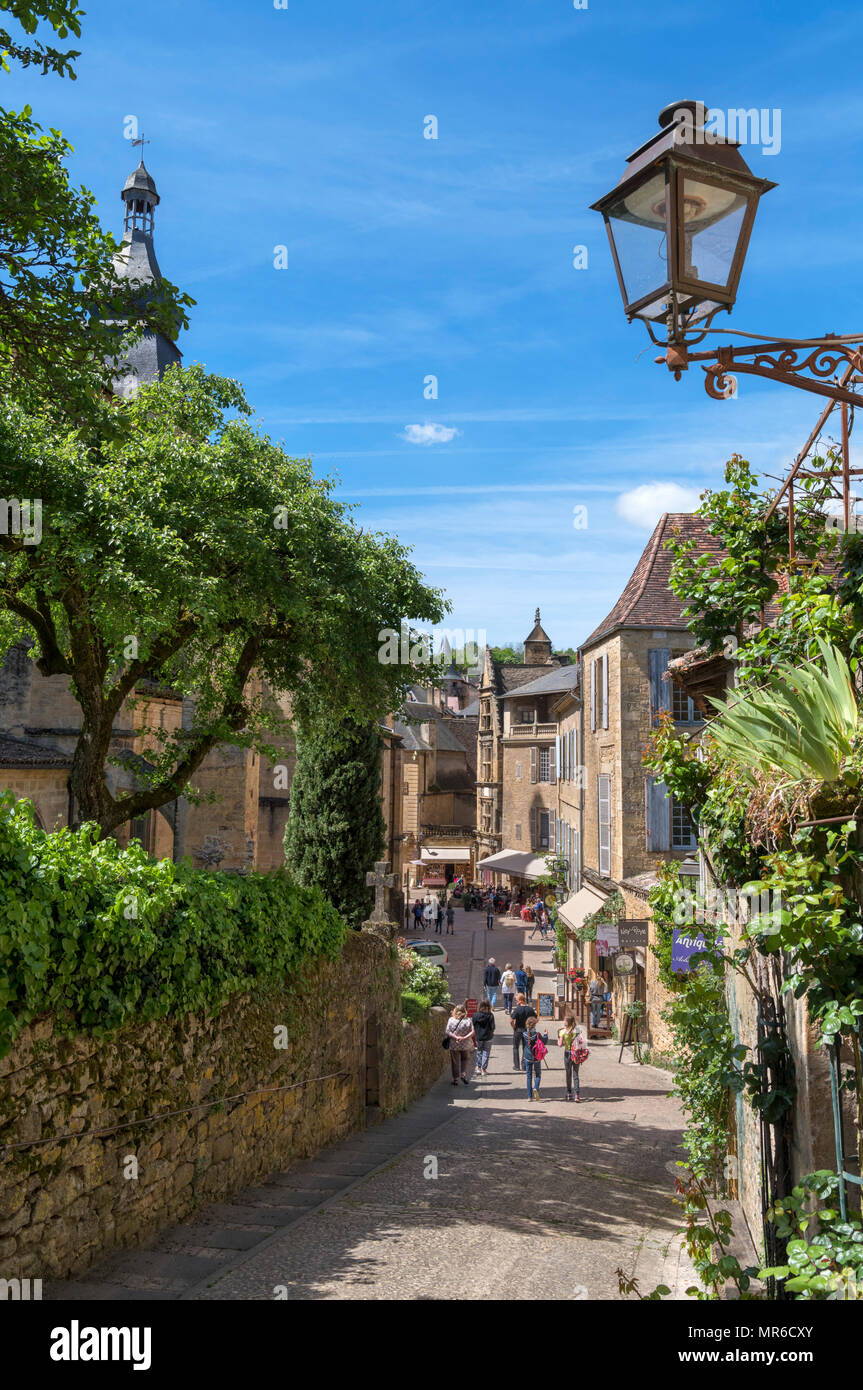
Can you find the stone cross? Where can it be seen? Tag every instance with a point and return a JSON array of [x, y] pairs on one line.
[[380, 880]]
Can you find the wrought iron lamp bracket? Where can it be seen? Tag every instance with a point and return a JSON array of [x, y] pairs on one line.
[[810, 366]]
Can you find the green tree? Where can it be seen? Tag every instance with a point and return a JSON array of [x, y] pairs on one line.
[[336, 829], [189, 548], [65, 314]]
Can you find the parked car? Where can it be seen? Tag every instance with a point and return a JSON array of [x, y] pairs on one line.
[[430, 950]]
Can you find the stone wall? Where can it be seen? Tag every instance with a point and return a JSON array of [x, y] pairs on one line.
[[232, 1104]]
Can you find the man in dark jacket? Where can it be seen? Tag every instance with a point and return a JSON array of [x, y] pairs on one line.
[[520, 1014], [491, 981]]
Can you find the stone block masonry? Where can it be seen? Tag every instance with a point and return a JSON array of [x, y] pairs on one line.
[[119, 1136]]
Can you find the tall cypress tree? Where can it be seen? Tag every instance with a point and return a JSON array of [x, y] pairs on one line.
[[335, 829]]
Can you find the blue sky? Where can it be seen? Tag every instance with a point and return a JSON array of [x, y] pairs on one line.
[[408, 257]]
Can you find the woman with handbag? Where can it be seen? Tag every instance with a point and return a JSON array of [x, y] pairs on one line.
[[461, 1039], [571, 1038], [535, 1049]]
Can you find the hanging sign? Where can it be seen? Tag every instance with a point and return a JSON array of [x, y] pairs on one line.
[[632, 935], [684, 945], [624, 964]]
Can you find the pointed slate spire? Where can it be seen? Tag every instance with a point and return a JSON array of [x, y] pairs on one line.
[[136, 260]]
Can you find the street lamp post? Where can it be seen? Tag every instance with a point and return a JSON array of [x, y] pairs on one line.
[[679, 222]]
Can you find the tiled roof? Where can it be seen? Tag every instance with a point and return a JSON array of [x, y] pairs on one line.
[[555, 680], [647, 601], [513, 677], [18, 752]]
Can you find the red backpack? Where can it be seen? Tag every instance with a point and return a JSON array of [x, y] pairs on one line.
[[579, 1052]]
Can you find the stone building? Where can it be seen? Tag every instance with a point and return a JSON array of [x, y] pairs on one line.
[[517, 764], [40, 721], [430, 801], [627, 821]]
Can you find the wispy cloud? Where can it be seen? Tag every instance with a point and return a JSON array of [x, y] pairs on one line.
[[429, 434]]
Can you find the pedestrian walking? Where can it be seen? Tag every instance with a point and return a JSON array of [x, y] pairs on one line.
[[459, 1030], [450, 919], [595, 992], [518, 1022], [530, 983], [418, 914], [483, 1029], [438, 917], [489, 915], [521, 980], [507, 984], [491, 981], [535, 1048], [428, 914], [571, 1039]]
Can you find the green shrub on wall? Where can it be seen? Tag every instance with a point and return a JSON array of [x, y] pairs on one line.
[[102, 935], [415, 1007]]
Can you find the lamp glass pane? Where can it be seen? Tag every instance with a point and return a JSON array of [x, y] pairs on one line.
[[712, 222], [637, 223]]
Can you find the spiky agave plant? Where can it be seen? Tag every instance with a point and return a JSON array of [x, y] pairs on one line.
[[801, 722]]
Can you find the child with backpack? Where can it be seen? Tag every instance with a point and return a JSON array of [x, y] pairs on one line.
[[535, 1049], [575, 1051]]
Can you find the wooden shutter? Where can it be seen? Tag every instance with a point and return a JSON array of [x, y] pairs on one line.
[[558, 743], [660, 690], [533, 763], [552, 831], [657, 814], [574, 754], [574, 861], [605, 691], [552, 764], [533, 827], [593, 695], [603, 798]]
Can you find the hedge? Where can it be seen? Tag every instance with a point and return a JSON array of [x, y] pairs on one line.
[[101, 935]]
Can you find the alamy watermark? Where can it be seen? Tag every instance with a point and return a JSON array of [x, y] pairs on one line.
[[21, 517], [744, 125], [721, 906], [408, 647]]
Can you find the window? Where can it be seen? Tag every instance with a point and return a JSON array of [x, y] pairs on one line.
[[682, 708], [543, 830], [518, 831], [682, 829], [545, 764], [603, 797], [525, 715], [599, 693], [518, 772]]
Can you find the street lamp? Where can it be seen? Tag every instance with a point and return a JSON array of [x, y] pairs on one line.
[[679, 222]]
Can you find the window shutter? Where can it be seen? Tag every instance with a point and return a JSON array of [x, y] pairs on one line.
[[533, 763], [552, 829], [574, 764], [658, 814], [605, 691], [576, 867], [552, 765], [558, 743], [603, 790], [533, 827], [660, 690], [593, 695]]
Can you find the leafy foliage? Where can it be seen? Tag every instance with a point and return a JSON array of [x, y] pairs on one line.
[[420, 977], [801, 723], [415, 1006], [220, 556], [825, 1252], [335, 829], [102, 935], [63, 17]]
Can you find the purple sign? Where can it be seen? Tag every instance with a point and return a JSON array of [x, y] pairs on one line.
[[684, 945]]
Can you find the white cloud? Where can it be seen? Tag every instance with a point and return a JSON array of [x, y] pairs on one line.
[[429, 434], [643, 506]]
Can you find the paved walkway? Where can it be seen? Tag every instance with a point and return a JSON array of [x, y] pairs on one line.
[[472, 1193]]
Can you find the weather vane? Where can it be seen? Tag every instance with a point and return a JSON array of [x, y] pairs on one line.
[[142, 142]]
